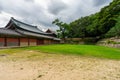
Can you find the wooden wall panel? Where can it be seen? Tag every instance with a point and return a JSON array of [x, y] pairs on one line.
[[12, 39], [55, 42], [23, 41], [47, 41], [40, 41], [12, 42], [32, 42], [1, 39], [2, 42]]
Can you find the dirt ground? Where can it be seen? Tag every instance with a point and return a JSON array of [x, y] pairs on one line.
[[29, 66]]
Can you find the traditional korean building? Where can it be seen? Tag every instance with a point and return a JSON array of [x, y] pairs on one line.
[[17, 33]]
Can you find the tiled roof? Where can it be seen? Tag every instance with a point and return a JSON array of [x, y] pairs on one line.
[[27, 27], [18, 28], [27, 33], [4, 31], [36, 35]]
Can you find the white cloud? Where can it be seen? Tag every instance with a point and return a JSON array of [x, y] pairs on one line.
[[4, 18], [56, 6], [43, 12]]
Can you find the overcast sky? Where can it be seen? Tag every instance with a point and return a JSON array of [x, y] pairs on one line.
[[42, 12]]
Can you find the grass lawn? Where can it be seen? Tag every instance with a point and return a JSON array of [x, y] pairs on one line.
[[82, 50]]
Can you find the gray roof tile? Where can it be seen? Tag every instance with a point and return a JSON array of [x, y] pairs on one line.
[[8, 32], [28, 27], [23, 29], [33, 34]]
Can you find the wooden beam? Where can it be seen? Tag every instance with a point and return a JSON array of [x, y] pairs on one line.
[[5, 41]]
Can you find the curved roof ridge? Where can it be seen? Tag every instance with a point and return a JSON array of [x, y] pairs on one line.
[[23, 23], [27, 26]]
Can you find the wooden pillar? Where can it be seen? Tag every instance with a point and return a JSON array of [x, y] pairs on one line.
[[28, 42], [5, 41], [18, 41]]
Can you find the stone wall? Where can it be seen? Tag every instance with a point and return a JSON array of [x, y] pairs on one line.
[[110, 42]]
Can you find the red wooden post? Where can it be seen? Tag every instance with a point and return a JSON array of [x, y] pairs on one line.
[[5, 41], [18, 41], [28, 42]]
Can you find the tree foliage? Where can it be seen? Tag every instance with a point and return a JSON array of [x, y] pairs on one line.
[[63, 28], [94, 25]]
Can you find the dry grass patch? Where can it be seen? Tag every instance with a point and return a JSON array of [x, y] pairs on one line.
[[34, 65]]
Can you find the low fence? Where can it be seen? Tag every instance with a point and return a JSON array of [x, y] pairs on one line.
[[88, 40]]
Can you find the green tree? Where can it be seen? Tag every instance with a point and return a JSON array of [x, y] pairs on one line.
[[63, 28], [108, 15], [95, 25]]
